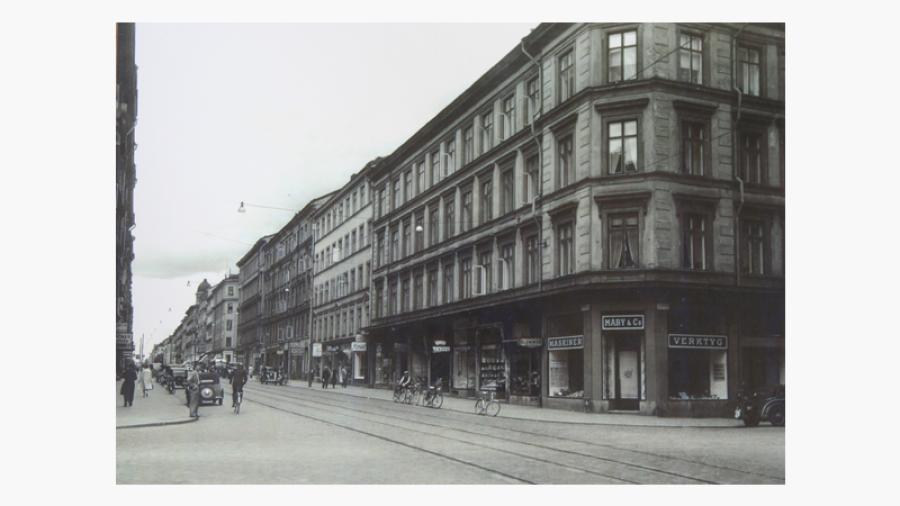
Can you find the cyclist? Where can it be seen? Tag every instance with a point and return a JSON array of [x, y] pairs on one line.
[[404, 382], [238, 379]]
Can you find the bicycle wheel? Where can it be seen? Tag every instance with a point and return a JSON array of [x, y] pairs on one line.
[[437, 401], [479, 407], [493, 408], [396, 395], [407, 397]]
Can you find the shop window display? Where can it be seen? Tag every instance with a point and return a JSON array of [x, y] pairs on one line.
[[698, 374], [525, 371], [566, 356], [492, 371]]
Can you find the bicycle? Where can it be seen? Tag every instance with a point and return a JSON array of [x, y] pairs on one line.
[[433, 398], [487, 405], [237, 402]]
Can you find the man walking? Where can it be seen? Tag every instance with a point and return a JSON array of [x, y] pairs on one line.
[[326, 375], [238, 380], [193, 389]]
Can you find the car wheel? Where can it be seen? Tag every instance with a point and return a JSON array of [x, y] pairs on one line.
[[776, 417]]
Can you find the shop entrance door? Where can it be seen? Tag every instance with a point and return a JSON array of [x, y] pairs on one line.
[[627, 374], [440, 368]]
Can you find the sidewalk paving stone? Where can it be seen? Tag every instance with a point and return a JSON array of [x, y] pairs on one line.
[[159, 408], [467, 405]]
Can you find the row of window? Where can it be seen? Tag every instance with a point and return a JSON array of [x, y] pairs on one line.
[[478, 274], [438, 221], [352, 242], [343, 284], [341, 323], [343, 210]]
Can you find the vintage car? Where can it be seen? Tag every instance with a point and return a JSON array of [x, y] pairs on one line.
[[211, 390], [175, 378]]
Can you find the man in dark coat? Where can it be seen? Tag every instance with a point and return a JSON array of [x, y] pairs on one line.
[[326, 375], [128, 385], [192, 387], [238, 380]]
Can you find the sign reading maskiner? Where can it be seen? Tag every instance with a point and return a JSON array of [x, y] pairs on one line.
[[565, 343], [698, 342], [623, 322]]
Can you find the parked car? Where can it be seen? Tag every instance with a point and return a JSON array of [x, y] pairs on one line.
[[211, 390], [175, 378], [756, 405]]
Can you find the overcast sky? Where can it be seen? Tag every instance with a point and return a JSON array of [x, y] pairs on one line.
[[272, 114]]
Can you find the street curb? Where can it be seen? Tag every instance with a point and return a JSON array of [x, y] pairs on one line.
[[156, 424], [736, 426]]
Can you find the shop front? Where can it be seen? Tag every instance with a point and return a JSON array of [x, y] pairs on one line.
[[524, 356], [360, 361], [463, 365], [439, 362], [565, 361]]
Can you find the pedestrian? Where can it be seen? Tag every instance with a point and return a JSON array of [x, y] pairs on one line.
[[193, 390], [326, 374], [238, 379], [345, 377], [146, 380], [128, 384], [334, 377]]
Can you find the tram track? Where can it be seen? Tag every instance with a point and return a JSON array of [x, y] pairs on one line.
[[433, 416], [622, 470]]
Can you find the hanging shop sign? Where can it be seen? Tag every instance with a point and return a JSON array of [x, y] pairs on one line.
[[530, 342], [565, 343], [357, 346], [296, 348], [332, 348], [698, 342], [440, 342], [440, 349], [623, 322], [317, 349]]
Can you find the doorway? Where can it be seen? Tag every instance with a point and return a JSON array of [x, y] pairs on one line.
[[626, 373]]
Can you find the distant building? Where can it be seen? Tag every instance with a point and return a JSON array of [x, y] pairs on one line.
[[126, 118], [222, 307], [250, 305], [343, 270]]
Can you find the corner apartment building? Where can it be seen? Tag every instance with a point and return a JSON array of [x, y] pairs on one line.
[[596, 224], [342, 277], [222, 313], [286, 275], [202, 322], [250, 305]]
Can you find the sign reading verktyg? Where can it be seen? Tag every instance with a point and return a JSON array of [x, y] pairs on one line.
[[701, 342]]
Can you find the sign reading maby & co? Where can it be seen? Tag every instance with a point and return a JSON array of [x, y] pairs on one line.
[[623, 322], [699, 342]]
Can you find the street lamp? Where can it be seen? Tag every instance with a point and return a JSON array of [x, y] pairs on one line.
[[244, 205]]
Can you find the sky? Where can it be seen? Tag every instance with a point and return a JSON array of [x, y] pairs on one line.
[[274, 115]]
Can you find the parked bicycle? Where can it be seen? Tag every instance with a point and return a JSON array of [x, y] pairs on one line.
[[432, 396], [486, 404]]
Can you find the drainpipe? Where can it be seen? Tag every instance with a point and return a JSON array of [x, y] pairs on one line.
[[536, 111], [736, 118]]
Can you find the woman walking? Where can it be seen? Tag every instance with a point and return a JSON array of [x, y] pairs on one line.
[[128, 385], [146, 380]]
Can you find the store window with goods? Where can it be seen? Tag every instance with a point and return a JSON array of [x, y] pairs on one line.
[[565, 348]]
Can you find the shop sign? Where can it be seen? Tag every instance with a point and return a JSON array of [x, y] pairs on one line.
[[623, 322], [281, 352], [317, 349], [530, 342], [565, 343], [440, 349], [698, 342], [332, 348], [296, 348], [440, 342], [357, 346]]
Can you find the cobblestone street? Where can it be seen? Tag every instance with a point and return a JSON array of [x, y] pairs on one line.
[[300, 435]]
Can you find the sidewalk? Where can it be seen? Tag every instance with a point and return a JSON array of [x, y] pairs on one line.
[[534, 413], [160, 408]]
